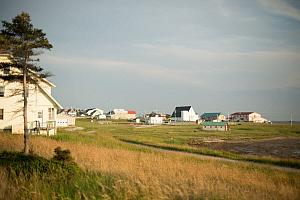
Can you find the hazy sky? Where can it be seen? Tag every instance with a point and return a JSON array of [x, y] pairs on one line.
[[219, 55]]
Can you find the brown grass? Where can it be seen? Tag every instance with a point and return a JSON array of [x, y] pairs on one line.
[[159, 175]]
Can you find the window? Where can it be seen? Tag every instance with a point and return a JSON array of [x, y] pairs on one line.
[[6, 70], [1, 114], [40, 114], [51, 113], [1, 91]]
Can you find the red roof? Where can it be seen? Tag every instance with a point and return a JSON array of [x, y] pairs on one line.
[[131, 112], [242, 113]]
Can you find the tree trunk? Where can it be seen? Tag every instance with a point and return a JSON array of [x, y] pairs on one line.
[[25, 92]]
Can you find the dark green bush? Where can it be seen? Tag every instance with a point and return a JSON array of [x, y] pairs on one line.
[[62, 155], [17, 163]]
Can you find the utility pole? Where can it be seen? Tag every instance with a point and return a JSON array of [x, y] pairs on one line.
[[291, 118]]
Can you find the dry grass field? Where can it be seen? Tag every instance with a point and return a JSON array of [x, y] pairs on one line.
[[157, 175]]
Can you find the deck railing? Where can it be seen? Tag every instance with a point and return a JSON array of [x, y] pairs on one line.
[[36, 127]]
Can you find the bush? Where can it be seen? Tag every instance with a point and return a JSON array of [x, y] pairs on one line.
[[62, 155], [17, 164]]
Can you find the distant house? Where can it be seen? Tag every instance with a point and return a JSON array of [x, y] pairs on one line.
[[154, 119], [184, 114], [215, 116], [65, 120], [247, 117], [95, 113], [72, 112], [42, 106], [131, 114], [215, 126], [122, 114]]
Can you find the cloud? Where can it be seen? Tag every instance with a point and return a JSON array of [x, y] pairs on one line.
[[196, 67], [210, 55], [225, 10], [267, 69], [281, 7], [148, 71]]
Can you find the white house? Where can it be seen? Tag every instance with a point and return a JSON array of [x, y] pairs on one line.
[[42, 107], [154, 119], [72, 112], [122, 114], [96, 113], [184, 114]]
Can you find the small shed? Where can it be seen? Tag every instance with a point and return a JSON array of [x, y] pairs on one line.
[[155, 120], [64, 120], [215, 126]]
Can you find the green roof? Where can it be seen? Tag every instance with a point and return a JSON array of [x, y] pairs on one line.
[[209, 115], [214, 123]]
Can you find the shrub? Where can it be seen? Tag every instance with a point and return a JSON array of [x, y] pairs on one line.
[[62, 155], [17, 164]]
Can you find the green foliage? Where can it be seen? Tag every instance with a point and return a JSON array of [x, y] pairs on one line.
[[20, 35], [22, 41], [19, 164]]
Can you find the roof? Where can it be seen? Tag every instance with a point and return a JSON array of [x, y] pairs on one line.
[[242, 113], [5, 58], [210, 115], [131, 112], [179, 109], [214, 123], [51, 98]]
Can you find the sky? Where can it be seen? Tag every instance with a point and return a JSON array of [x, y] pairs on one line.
[[218, 55]]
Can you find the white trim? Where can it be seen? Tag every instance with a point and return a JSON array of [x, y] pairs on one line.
[[50, 97]]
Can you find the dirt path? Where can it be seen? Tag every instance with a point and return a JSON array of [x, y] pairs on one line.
[[212, 157]]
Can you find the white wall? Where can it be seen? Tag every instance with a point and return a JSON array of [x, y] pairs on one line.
[[64, 120], [155, 120], [13, 107]]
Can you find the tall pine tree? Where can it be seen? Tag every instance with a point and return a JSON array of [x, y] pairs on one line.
[[23, 43]]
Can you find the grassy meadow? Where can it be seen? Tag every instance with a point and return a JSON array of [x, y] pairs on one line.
[[109, 168], [177, 137]]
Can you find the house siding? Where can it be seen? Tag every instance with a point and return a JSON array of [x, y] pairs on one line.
[[38, 101], [13, 108]]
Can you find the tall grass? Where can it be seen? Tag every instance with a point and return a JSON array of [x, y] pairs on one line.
[[157, 175], [33, 177]]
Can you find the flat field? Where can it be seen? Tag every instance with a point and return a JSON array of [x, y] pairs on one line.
[[114, 169], [264, 143]]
